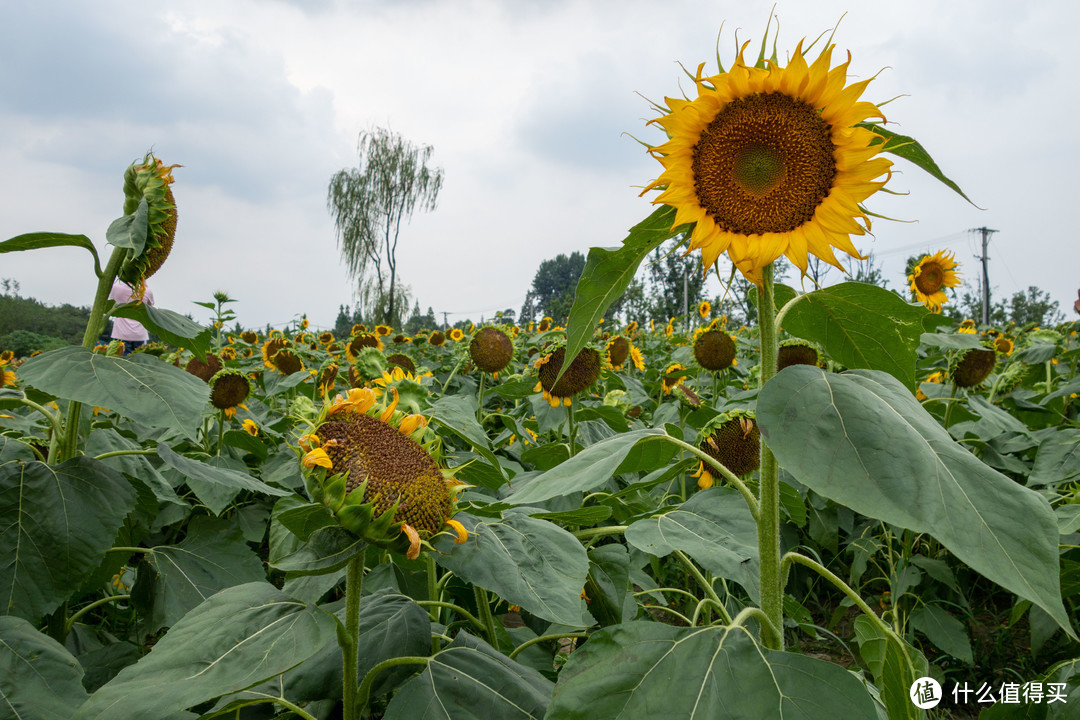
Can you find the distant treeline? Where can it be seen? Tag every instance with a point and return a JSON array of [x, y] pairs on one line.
[[27, 325]]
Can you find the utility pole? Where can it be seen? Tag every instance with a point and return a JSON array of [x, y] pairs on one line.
[[986, 233], [446, 325]]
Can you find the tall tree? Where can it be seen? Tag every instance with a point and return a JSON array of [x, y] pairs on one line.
[[553, 288], [677, 280], [368, 203]]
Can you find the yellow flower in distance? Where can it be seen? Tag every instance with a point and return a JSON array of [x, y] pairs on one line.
[[930, 276], [704, 309], [250, 427], [770, 161]]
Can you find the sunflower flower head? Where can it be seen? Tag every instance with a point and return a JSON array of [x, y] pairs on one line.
[[491, 349], [929, 277], [364, 463], [228, 388], [771, 160], [147, 190], [733, 440], [580, 375]]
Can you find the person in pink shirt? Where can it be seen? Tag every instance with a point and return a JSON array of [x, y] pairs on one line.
[[131, 332]]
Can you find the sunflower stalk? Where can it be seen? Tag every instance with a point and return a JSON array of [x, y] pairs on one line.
[[94, 325], [772, 591], [354, 585]]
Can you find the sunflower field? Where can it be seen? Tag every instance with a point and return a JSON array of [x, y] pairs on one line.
[[853, 508]]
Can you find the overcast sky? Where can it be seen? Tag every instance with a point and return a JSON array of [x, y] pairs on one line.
[[529, 105]]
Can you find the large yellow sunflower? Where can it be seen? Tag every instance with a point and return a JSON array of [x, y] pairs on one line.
[[770, 161], [930, 276]]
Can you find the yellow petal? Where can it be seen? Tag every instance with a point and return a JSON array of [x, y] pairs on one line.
[[414, 541], [462, 533], [317, 457]]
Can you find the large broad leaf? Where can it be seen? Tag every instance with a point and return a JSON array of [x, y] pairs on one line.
[[55, 525], [458, 415], [140, 387], [237, 638], [607, 274], [327, 550], [469, 680], [108, 440], [860, 326], [863, 440], [390, 626], [715, 528], [172, 327], [33, 241], [895, 666], [203, 472], [647, 670], [211, 558], [944, 630], [526, 561], [129, 231], [1058, 459], [39, 679], [587, 470]]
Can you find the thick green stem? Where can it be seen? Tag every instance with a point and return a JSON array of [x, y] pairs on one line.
[[97, 603], [480, 400], [767, 629], [793, 557], [354, 585], [483, 608], [545, 638], [93, 328], [571, 430], [772, 594], [949, 406], [436, 604], [600, 531], [705, 584]]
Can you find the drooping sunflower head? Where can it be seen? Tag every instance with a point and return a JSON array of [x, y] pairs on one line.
[[271, 347], [545, 324], [379, 482], [491, 349], [770, 161], [579, 376], [383, 330], [327, 377], [369, 364], [617, 351], [929, 277], [1003, 344], [796, 352], [714, 350], [402, 361], [249, 337], [326, 337], [361, 341], [228, 388], [437, 338], [733, 440], [970, 368], [204, 369], [149, 180], [287, 362]]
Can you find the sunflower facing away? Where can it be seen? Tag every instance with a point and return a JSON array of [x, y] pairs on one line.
[[930, 276], [770, 161]]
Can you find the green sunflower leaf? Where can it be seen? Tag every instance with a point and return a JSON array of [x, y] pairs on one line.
[[526, 561], [139, 387], [860, 326], [862, 439], [236, 639], [56, 522], [648, 670], [172, 327], [470, 680], [40, 679], [33, 241], [607, 274], [909, 149]]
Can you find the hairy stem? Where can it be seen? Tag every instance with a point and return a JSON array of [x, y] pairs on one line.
[[772, 594]]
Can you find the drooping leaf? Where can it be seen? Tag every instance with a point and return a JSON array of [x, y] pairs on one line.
[[39, 679], [458, 415], [652, 671], [526, 561], [909, 149], [327, 550], [607, 274], [587, 470], [212, 557], [956, 341], [129, 231], [945, 631], [861, 439], [714, 527], [108, 440], [1058, 459], [200, 471], [172, 327], [895, 666], [140, 387], [33, 241], [470, 680], [235, 639], [56, 522], [860, 326]]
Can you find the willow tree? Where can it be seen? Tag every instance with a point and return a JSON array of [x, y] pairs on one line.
[[369, 202]]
